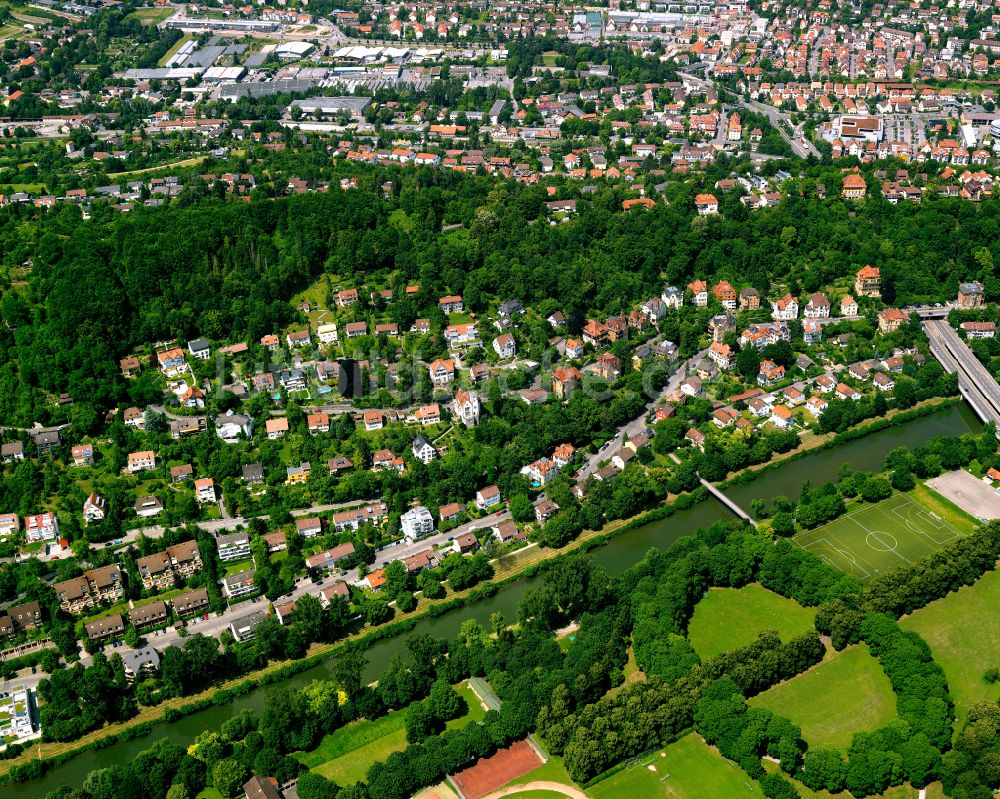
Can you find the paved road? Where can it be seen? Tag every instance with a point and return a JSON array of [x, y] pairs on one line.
[[639, 424], [404, 550], [975, 382], [800, 146], [218, 525], [215, 624]]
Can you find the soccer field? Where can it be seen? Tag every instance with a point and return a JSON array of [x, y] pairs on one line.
[[878, 537]]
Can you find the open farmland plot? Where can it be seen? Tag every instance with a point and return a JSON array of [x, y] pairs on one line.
[[845, 694], [874, 538], [151, 16]]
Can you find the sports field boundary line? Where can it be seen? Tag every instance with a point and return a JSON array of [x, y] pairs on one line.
[[836, 545], [893, 549], [866, 508], [877, 537], [848, 555], [926, 514]]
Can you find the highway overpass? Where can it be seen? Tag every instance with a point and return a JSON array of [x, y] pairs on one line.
[[975, 383]]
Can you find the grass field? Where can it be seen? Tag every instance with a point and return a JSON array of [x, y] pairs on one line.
[[346, 755], [906, 791], [31, 188], [172, 165], [874, 538], [552, 770], [150, 16], [728, 618], [686, 769], [845, 694], [944, 508], [963, 632], [536, 795]]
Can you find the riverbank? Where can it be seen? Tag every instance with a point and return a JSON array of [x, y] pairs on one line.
[[616, 547], [819, 442], [524, 563]]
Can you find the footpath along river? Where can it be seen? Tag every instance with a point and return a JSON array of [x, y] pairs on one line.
[[617, 555]]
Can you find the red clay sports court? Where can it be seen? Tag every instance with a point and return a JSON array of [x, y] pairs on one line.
[[494, 772]]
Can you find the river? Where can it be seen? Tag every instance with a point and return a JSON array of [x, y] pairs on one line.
[[617, 555], [863, 454]]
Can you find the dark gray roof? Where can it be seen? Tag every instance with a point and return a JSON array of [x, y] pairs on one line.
[[253, 472], [135, 660]]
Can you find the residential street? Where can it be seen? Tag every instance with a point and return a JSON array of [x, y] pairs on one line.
[[404, 549], [215, 624], [219, 525], [639, 424]]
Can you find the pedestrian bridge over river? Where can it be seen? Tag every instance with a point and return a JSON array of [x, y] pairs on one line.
[[715, 492]]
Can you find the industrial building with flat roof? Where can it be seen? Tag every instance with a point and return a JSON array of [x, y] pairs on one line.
[[331, 106]]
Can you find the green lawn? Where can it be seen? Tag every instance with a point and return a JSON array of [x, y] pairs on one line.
[[346, 755], [177, 46], [552, 770], [237, 566], [315, 294], [906, 791], [150, 16], [36, 17], [944, 508], [30, 188], [963, 632], [631, 669], [401, 220], [209, 793], [846, 693], [728, 618], [687, 769]]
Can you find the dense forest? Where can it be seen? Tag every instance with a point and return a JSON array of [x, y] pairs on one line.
[[96, 289]]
